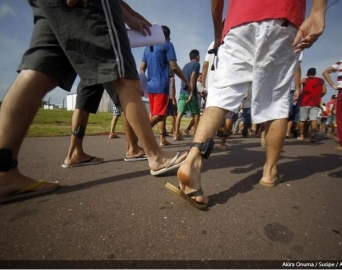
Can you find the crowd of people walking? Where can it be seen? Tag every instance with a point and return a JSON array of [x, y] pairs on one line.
[[250, 84]]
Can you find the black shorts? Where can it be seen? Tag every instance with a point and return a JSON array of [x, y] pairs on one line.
[[170, 108], [89, 97], [91, 42]]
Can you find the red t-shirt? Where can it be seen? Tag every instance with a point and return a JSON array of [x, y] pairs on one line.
[[312, 92], [241, 12]]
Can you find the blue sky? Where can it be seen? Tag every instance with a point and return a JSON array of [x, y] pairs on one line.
[[191, 28]]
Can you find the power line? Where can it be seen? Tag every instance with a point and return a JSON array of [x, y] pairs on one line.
[[333, 4]]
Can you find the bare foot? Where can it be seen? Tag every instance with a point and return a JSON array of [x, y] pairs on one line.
[[13, 181], [137, 152], [223, 147], [178, 138], [113, 135], [165, 143], [189, 176], [82, 158], [270, 180]]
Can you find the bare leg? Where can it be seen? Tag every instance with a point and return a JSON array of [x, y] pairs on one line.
[[189, 174], [154, 119], [173, 123], [228, 125], [301, 130], [112, 134], [76, 154], [18, 109], [313, 130], [289, 127], [196, 119], [132, 147], [189, 127], [176, 134], [274, 136], [162, 132], [137, 117]]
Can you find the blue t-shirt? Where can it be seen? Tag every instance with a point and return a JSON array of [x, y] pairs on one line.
[[157, 60], [187, 70]]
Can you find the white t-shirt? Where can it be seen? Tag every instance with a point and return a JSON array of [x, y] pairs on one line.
[[338, 67], [211, 73], [199, 86]]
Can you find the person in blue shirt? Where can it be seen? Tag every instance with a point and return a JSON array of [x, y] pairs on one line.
[[158, 60], [188, 99]]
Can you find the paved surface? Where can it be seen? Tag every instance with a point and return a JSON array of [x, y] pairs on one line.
[[118, 211]]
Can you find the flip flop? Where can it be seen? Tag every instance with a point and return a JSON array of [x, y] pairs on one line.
[[113, 136], [276, 182], [179, 138], [90, 161], [165, 144], [187, 197], [172, 165], [26, 192], [139, 158]]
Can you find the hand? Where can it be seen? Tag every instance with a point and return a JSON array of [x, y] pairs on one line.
[[309, 31], [174, 101], [72, 3], [189, 99], [296, 95], [141, 25], [335, 87]]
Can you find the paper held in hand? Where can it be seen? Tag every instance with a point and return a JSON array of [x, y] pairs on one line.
[[138, 40]]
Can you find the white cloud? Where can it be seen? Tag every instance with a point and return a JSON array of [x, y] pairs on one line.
[[6, 10]]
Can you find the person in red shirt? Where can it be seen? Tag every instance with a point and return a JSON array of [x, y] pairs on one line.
[[310, 105], [257, 48], [330, 122]]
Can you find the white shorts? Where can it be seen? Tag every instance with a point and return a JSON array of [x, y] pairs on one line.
[[308, 113], [257, 55]]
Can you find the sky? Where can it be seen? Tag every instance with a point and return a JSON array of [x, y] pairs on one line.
[[191, 28]]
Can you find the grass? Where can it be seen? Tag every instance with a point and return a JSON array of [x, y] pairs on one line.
[[51, 123]]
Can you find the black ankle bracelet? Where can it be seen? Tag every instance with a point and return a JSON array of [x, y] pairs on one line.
[[205, 148], [6, 160]]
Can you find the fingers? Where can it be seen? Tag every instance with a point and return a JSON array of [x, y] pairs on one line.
[[143, 28], [298, 37], [148, 29], [72, 3], [306, 42]]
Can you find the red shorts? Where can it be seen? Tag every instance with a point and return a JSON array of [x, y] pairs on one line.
[[158, 104]]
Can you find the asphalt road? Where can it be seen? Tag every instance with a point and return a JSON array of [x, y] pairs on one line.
[[117, 211]]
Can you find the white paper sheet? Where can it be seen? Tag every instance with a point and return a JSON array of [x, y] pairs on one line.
[[138, 40]]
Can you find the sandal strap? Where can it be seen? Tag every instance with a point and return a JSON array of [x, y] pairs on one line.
[[198, 192]]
